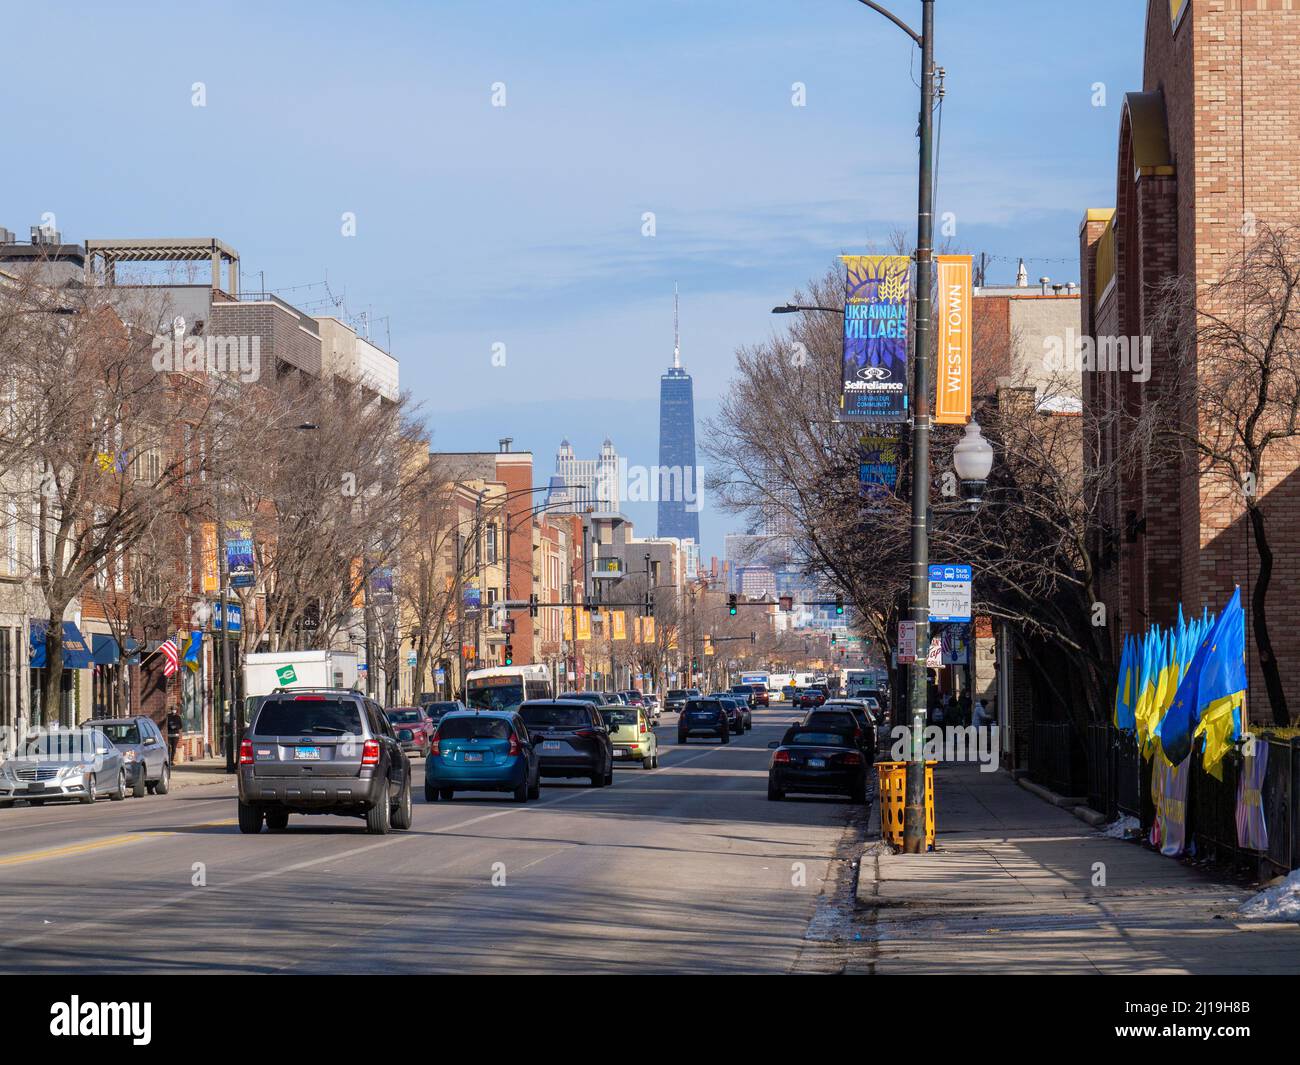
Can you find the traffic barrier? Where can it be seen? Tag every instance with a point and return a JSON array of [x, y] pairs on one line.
[[891, 796]]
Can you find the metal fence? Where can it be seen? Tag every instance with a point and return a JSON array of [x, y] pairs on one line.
[[1106, 765]]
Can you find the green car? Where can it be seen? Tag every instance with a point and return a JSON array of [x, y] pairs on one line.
[[630, 733]]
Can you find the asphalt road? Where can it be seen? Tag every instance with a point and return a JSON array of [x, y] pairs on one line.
[[687, 868]]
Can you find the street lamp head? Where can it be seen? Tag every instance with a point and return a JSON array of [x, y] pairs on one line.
[[972, 458], [789, 308]]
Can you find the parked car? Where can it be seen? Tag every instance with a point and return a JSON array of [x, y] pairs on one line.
[[631, 736], [652, 708], [818, 760], [704, 717], [144, 752], [415, 720], [323, 751], [482, 750], [80, 764], [807, 698], [738, 713], [571, 739]]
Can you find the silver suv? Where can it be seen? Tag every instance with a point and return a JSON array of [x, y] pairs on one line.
[[144, 752], [322, 751]]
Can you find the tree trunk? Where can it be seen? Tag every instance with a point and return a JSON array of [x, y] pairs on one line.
[[1259, 615], [51, 687]]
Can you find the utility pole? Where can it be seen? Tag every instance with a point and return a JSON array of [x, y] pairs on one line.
[[914, 809]]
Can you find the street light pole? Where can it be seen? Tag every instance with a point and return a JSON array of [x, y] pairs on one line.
[[914, 809]]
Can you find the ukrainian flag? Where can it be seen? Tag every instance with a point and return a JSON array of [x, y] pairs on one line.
[[1222, 690], [1124, 690]]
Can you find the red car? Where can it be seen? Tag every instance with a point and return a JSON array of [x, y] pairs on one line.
[[760, 695], [421, 725]]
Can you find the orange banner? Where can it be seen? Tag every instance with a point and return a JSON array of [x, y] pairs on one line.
[[211, 578], [953, 373], [619, 625]]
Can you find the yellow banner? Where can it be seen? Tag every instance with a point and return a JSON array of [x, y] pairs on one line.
[[952, 375], [584, 625], [648, 630], [568, 625], [208, 547], [619, 620], [708, 646]]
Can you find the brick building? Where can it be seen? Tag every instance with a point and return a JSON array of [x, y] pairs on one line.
[[1208, 150]]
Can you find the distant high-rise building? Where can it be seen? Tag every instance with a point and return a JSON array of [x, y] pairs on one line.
[[581, 485], [679, 487]]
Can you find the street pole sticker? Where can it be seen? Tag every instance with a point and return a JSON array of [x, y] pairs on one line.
[[950, 593], [906, 642]]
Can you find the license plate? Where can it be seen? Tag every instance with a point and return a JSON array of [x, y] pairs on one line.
[[306, 754], [473, 757], [551, 745], [817, 763], [620, 754], [35, 787]]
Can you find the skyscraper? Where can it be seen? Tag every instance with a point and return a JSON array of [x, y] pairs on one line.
[[680, 492]]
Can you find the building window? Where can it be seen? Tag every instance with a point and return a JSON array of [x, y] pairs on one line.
[[11, 536], [492, 544]]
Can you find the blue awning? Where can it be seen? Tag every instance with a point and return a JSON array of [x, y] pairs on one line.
[[103, 649], [76, 654]]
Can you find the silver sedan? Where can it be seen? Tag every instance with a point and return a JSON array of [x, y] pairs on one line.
[[79, 764]]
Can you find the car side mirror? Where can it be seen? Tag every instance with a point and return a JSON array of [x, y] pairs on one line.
[[149, 741], [774, 745], [101, 750]]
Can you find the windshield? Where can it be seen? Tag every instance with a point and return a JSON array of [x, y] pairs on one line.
[[709, 705], [474, 728], [677, 693], [499, 697], [619, 716], [287, 717], [438, 709], [404, 717], [559, 716], [127, 732], [816, 739]]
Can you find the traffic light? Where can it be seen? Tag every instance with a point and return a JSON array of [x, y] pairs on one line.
[[532, 605], [731, 604], [832, 639], [839, 604], [510, 655]]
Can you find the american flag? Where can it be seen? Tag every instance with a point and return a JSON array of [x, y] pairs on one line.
[[171, 653]]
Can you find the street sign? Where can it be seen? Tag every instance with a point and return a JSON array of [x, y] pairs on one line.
[[950, 592], [906, 642], [410, 659]]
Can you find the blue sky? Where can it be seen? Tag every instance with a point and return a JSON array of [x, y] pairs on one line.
[[522, 225]]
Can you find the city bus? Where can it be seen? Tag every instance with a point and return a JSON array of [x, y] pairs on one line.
[[757, 677], [506, 687]]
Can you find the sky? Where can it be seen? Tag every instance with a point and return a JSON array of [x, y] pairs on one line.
[[523, 225]]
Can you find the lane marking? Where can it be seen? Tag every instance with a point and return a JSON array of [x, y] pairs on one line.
[[89, 845]]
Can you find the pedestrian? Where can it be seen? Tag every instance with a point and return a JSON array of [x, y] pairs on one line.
[[174, 727], [983, 715]]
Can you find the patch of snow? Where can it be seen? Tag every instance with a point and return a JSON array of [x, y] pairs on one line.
[[1281, 902], [1123, 828]]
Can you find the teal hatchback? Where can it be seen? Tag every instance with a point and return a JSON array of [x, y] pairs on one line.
[[481, 750]]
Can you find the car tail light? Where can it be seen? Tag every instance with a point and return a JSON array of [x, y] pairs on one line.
[[514, 744], [852, 758], [781, 758], [433, 745], [586, 733], [309, 698], [370, 752], [246, 752], [642, 728]]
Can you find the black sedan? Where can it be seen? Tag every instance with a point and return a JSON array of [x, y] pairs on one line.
[[704, 717], [817, 760], [807, 698]]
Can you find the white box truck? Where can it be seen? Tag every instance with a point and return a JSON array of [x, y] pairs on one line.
[[266, 671]]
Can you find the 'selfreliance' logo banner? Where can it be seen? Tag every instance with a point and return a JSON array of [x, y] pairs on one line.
[[876, 299]]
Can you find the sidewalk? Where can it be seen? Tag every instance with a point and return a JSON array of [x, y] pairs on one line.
[[202, 771], [1010, 889]]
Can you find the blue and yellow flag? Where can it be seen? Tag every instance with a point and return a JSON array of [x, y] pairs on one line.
[[1125, 688], [1222, 690]]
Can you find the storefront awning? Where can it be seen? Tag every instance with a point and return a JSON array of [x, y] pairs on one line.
[[103, 649], [76, 653]]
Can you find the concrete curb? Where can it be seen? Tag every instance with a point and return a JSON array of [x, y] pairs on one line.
[[1073, 803]]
